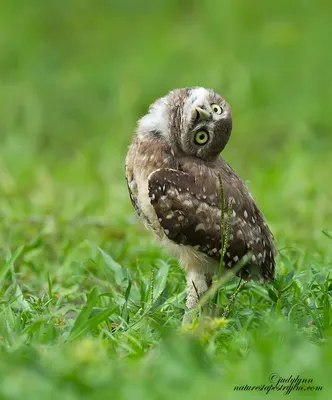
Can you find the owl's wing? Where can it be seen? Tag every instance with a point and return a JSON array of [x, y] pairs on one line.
[[189, 212]]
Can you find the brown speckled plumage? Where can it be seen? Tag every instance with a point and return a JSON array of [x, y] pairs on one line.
[[174, 187]]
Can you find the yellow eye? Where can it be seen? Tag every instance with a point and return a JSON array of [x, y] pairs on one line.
[[216, 109], [201, 137]]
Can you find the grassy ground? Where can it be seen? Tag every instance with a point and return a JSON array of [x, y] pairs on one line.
[[79, 315]]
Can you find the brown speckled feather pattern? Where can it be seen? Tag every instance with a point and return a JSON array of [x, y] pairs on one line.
[[186, 199], [172, 169]]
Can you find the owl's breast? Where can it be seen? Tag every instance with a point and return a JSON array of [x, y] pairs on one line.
[[146, 210], [143, 159]]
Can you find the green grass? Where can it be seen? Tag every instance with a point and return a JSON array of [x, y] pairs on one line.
[[90, 306]]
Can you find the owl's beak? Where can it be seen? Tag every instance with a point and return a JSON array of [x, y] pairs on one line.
[[199, 113]]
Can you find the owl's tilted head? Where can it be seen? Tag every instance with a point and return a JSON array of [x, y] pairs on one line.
[[197, 121]]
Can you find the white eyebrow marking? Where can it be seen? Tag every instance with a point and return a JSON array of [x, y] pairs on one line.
[[199, 95]]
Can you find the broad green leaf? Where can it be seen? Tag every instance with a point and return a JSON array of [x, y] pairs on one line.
[[115, 267]]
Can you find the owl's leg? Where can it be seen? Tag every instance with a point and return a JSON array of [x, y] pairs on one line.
[[198, 282]]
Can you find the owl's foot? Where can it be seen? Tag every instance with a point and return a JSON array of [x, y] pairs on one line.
[[198, 284], [189, 316]]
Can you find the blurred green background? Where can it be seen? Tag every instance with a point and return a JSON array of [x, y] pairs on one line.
[[75, 76]]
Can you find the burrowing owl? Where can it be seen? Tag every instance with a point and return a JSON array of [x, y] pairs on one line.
[[172, 170]]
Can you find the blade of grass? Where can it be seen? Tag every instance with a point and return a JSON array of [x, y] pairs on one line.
[[92, 323], [84, 315], [10, 262]]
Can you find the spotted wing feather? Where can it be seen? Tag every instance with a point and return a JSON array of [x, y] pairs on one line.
[[192, 217]]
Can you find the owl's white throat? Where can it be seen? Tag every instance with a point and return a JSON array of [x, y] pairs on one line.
[[155, 122]]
